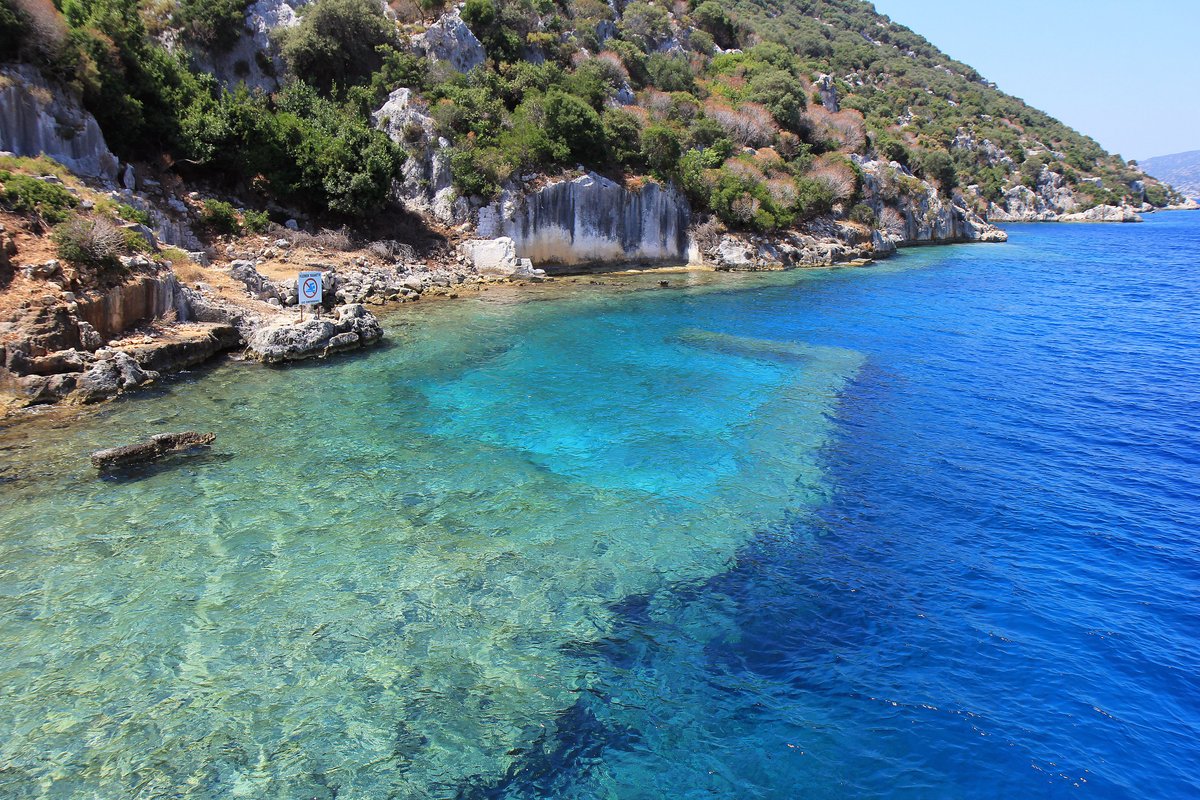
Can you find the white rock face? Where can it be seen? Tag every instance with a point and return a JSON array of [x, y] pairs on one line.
[[450, 40], [1103, 214], [593, 219], [828, 90], [492, 256], [1051, 199], [923, 218], [37, 117], [245, 60], [424, 187]]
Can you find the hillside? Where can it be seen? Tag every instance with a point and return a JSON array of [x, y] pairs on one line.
[[1180, 170], [415, 146]]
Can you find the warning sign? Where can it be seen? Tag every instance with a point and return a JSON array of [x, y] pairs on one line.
[[309, 288]]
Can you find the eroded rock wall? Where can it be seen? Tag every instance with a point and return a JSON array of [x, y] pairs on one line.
[[37, 118], [126, 305], [912, 211], [592, 219]]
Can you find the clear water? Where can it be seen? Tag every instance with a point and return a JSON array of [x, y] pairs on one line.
[[927, 530]]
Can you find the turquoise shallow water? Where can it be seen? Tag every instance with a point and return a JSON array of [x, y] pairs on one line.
[[925, 529]]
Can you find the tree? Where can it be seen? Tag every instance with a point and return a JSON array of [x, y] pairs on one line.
[[336, 43], [573, 127], [212, 23], [623, 134], [661, 150]]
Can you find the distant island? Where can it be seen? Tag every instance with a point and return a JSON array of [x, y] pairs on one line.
[[175, 164], [1180, 170]]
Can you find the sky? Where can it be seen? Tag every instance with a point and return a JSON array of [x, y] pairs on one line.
[[1126, 74]]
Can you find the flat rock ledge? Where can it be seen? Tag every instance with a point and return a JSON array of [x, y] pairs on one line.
[[351, 327], [154, 448]]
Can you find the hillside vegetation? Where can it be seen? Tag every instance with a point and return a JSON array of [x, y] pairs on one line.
[[759, 109]]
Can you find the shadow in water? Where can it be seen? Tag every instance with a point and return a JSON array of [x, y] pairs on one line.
[[195, 457]]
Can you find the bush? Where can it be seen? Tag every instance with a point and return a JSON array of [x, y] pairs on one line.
[[131, 214], [624, 136], [938, 166], [670, 73], [573, 128], [26, 195], [215, 24], [645, 25], [220, 217], [256, 221], [90, 242], [336, 45], [863, 214], [304, 148], [661, 150]]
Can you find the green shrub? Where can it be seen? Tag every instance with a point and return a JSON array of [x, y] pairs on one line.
[[256, 221], [937, 165], [661, 150], [573, 128], [623, 133], [26, 195], [304, 148], [131, 214], [863, 214], [670, 73], [215, 24], [645, 25], [220, 217]]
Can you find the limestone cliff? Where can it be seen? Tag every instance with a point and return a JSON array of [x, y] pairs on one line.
[[911, 211], [592, 219], [40, 118]]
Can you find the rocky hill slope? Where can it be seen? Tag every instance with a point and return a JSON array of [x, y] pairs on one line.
[[413, 147], [1181, 170]]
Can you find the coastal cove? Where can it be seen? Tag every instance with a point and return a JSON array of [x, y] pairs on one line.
[[923, 528]]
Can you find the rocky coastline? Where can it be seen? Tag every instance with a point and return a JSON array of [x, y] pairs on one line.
[[191, 297]]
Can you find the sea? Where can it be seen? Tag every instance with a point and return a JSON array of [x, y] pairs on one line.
[[926, 528]]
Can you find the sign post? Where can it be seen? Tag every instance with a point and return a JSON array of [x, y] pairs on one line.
[[308, 291]]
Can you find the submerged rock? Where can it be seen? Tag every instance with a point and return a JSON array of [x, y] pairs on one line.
[[156, 447]]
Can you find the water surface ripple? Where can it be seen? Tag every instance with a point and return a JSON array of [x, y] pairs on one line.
[[922, 530]]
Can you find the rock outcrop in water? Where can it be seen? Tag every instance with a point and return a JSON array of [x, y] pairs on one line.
[[156, 447], [592, 219], [39, 118], [349, 328]]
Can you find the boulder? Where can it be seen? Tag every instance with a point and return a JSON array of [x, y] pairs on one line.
[[114, 372], [734, 253], [314, 338], [491, 256], [450, 40], [827, 89]]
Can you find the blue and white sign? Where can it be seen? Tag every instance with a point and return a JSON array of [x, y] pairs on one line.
[[308, 288]]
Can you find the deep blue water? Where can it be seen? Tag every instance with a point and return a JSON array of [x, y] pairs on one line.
[[926, 529]]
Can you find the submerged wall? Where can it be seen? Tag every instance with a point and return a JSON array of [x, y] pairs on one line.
[[592, 219]]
